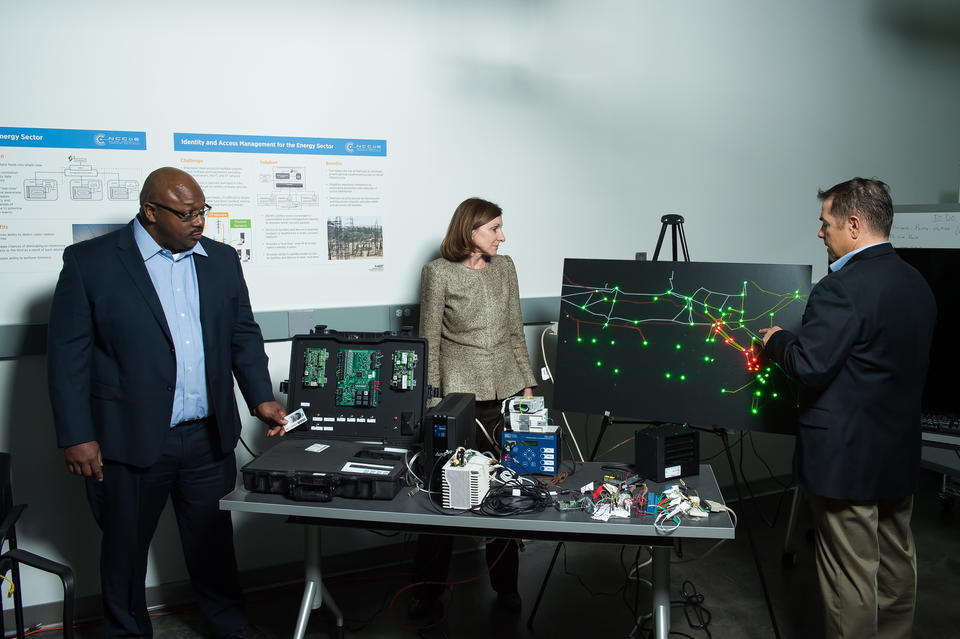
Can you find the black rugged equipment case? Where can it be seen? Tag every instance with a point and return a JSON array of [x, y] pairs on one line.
[[361, 419]]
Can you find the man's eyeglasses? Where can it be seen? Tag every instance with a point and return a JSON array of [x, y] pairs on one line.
[[186, 216]]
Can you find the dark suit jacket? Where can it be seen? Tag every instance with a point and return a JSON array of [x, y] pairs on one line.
[[861, 361], [112, 366]]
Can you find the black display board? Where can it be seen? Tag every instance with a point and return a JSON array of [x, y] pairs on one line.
[[677, 341]]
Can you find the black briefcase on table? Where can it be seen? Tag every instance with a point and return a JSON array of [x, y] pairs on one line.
[[364, 395]]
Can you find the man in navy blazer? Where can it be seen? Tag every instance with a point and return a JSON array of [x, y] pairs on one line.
[[860, 360], [149, 326]]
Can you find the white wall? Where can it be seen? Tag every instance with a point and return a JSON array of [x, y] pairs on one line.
[[585, 121]]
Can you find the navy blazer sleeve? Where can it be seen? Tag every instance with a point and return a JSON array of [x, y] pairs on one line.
[[830, 326], [69, 357], [249, 358]]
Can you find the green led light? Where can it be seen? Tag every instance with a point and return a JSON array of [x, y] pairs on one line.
[[616, 288], [606, 324], [723, 390], [579, 339], [604, 299], [636, 321], [612, 343], [645, 342], [706, 358], [593, 340], [583, 307], [776, 395], [771, 314], [667, 375], [757, 393], [683, 378], [754, 411], [599, 363], [678, 347], [616, 370], [656, 299]]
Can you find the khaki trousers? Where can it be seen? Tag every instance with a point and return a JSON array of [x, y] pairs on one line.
[[866, 566]]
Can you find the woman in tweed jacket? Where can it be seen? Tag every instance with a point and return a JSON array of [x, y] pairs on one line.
[[470, 315]]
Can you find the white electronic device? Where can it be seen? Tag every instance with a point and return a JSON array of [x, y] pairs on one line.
[[527, 414], [465, 485]]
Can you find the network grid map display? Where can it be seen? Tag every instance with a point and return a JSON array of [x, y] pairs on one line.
[[677, 341]]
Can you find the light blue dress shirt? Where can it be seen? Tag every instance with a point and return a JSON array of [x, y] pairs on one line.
[[175, 280], [838, 264]]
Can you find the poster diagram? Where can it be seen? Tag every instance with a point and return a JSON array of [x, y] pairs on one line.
[[677, 341], [288, 189], [83, 182]]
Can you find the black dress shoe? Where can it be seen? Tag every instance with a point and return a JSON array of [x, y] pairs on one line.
[[421, 608], [509, 601], [249, 631]]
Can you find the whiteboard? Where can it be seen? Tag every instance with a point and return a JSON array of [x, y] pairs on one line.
[[926, 226]]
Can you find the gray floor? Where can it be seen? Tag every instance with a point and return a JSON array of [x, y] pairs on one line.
[[589, 595]]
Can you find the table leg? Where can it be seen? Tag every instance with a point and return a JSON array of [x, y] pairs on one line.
[[661, 591], [314, 591], [543, 586], [790, 536]]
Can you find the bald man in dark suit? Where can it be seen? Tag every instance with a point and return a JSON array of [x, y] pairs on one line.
[[860, 360], [149, 326]]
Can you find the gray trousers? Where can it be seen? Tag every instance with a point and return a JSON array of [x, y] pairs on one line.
[[866, 566]]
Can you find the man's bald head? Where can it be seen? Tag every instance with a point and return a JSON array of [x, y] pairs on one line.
[[161, 182], [172, 209]]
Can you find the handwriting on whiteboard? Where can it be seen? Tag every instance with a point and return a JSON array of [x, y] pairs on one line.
[[926, 230]]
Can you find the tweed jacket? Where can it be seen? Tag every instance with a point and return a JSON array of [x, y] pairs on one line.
[[471, 319]]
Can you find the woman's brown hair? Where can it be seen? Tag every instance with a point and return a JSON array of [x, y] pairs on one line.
[[472, 213]]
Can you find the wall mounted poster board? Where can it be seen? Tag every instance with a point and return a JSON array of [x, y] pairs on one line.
[[677, 341]]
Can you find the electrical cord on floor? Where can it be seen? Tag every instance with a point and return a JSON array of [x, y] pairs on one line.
[[451, 584], [633, 575], [698, 617], [583, 584]]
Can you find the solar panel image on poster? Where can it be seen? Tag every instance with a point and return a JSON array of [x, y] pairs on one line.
[[677, 341]]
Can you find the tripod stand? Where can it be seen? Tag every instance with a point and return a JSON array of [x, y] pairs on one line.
[[676, 227]]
